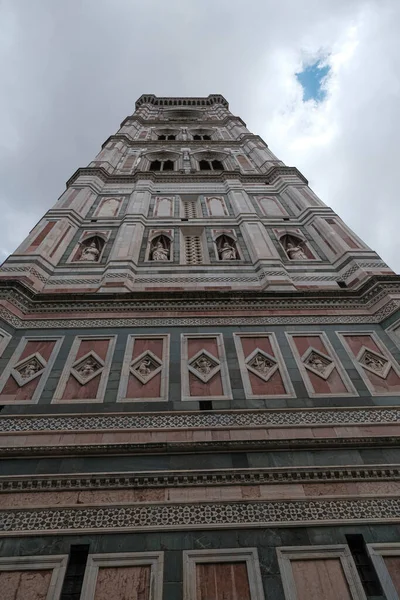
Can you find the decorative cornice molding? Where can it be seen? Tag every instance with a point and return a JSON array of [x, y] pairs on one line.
[[228, 477], [199, 516], [201, 420], [198, 447]]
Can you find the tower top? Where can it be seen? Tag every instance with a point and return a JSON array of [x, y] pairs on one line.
[[181, 101]]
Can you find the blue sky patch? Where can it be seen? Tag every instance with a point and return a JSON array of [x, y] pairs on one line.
[[311, 78]]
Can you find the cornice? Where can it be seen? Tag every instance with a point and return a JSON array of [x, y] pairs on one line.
[[198, 478], [180, 177]]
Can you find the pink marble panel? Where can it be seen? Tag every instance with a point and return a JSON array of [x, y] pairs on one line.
[[320, 578], [222, 581], [123, 583], [41, 236], [393, 566], [24, 585], [392, 382], [74, 389], [334, 383]]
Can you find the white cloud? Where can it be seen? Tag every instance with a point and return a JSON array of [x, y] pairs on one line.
[[72, 71]]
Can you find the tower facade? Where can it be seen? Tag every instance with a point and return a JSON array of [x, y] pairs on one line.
[[200, 380]]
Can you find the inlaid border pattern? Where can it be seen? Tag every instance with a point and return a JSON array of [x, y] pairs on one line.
[[206, 420], [161, 479], [198, 516]]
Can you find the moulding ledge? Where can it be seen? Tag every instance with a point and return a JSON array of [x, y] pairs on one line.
[[228, 477], [167, 448]]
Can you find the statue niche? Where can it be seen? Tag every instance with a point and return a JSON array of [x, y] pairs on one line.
[[91, 248], [160, 248], [226, 248], [294, 247]]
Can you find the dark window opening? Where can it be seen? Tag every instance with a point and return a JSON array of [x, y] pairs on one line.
[[204, 165], [73, 580], [342, 284], [217, 165], [197, 137], [161, 137], [155, 165], [363, 562], [168, 165], [2, 407], [206, 137], [205, 405], [171, 137]]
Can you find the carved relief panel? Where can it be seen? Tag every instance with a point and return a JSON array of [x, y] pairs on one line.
[[23, 380], [203, 368], [262, 368], [319, 365], [145, 369], [86, 371], [374, 362]]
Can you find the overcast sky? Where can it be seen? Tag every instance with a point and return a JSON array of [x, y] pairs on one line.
[[71, 70]]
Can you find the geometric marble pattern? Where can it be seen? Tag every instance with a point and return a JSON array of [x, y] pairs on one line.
[[248, 418], [87, 367], [204, 365], [209, 515], [261, 364], [146, 366], [28, 368], [374, 362], [317, 362]]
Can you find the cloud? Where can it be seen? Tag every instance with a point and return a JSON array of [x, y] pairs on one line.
[[71, 71]]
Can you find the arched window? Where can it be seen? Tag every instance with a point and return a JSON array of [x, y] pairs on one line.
[[161, 165], [171, 137], [206, 137], [162, 137], [205, 165], [217, 165], [197, 137]]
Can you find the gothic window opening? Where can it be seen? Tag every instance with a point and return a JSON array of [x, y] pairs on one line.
[[193, 251], [211, 165], [294, 247], [364, 565], [226, 247], [171, 137], [162, 165], [160, 249], [91, 249], [161, 137], [204, 137]]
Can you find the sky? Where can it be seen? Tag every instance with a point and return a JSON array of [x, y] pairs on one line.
[[318, 80]]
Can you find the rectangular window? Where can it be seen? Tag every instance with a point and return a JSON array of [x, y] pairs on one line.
[[386, 560], [222, 575], [71, 589]]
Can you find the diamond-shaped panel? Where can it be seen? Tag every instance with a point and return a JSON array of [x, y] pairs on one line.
[[204, 365], [27, 369], [374, 362], [146, 366], [318, 363], [87, 367], [261, 364]]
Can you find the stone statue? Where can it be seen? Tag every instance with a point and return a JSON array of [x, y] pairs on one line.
[[374, 362], [227, 252], [295, 252], [90, 253], [316, 363], [30, 369], [203, 365], [158, 252]]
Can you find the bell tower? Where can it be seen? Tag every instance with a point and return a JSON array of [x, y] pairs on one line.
[[200, 379]]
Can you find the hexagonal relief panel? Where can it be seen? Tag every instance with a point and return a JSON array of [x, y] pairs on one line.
[[87, 367], [28, 368], [146, 366], [261, 364], [374, 362], [318, 363], [204, 365]]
